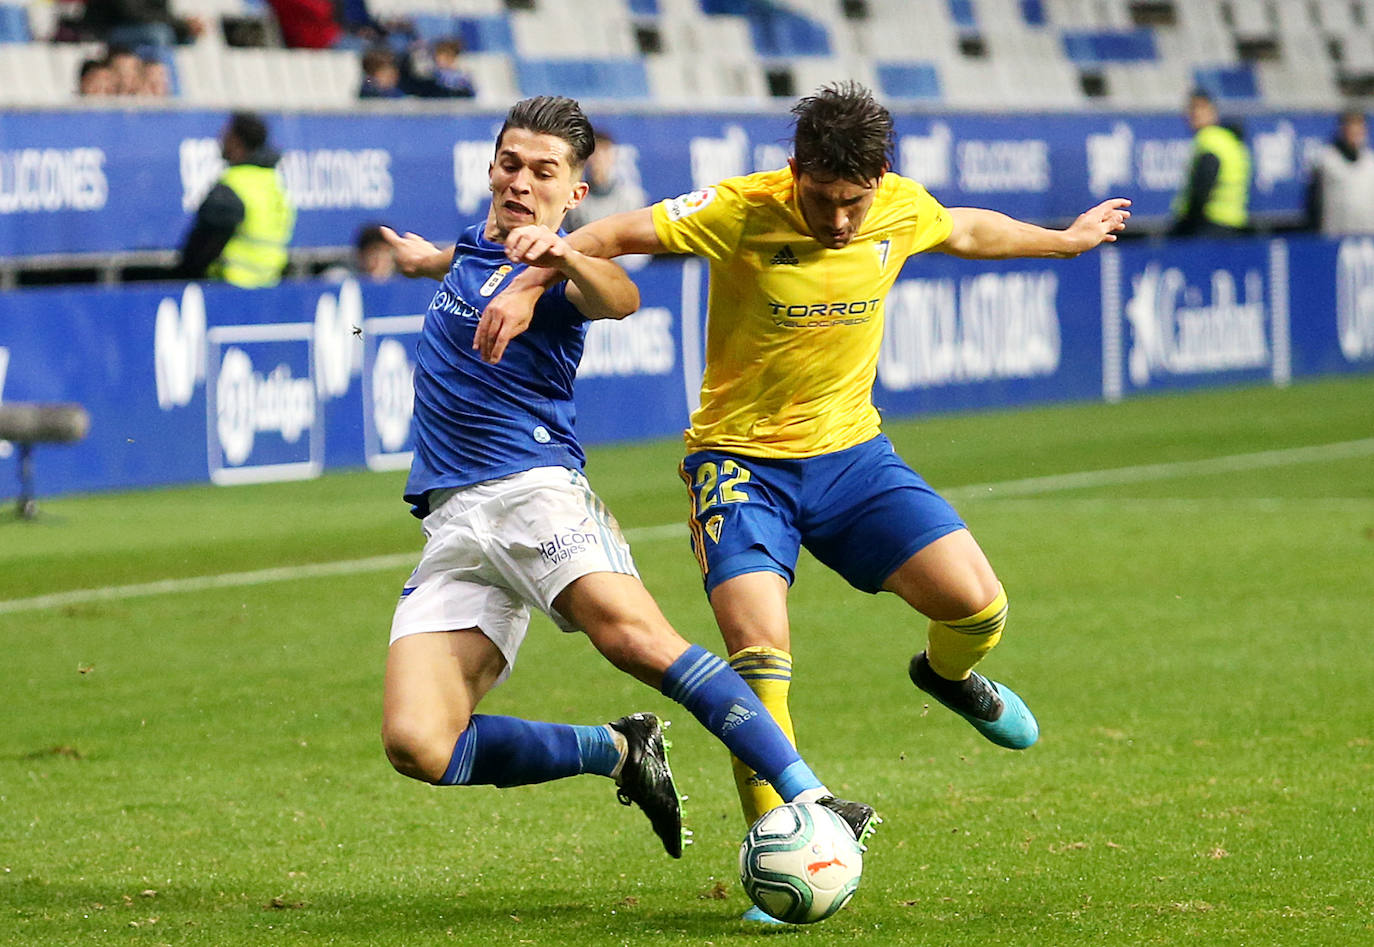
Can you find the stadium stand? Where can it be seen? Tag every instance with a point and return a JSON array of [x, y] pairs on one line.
[[939, 55], [1026, 54]]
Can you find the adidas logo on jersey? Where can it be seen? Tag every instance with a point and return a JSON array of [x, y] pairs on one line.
[[738, 715], [784, 257]]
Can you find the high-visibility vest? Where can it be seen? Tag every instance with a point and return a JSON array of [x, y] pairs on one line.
[[1229, 201], [256, 254]]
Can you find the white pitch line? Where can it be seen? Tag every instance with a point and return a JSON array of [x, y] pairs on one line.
[[1233, 463], [1009, 488]]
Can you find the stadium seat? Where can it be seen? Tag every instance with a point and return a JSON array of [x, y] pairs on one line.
[[583, 78], [909, 82], [485, 34], [493, 77], [1227, 82]]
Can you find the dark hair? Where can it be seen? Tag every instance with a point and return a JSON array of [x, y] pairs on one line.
[[367, 235], [842, 132], [91, 65], [553, 115], [249, 129], [376, 58]]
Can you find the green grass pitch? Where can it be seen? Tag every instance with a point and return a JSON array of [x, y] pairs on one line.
[[199, 764]]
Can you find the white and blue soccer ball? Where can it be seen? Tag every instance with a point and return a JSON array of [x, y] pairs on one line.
[[800, 863]]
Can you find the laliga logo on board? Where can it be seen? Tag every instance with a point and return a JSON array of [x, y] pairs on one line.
[[1354, 299], [1177, 329]]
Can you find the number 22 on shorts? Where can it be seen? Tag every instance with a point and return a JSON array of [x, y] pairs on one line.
[[718, 484]]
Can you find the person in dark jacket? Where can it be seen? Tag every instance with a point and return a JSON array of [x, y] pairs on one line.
[[244, 225], [140, 23]]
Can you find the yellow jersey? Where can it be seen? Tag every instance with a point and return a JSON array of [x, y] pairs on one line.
[[793, 329]]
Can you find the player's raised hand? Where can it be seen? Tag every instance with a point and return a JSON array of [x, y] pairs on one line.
[[416, 256], [1100, 224], [537, 245]]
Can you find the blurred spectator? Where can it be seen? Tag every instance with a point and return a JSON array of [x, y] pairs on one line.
[[609, 189], [381, 75], [242, 229], [95, 78], [436, 73], [140, 23], [1215, 198], [126, 69], [1340, 194], [307, 24], [155, 79], [373, 259]]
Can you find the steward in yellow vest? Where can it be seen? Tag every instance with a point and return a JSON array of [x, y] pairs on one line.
[[1215, 198], [244, 225]]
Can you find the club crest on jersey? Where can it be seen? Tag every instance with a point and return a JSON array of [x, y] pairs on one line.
[[882, 247], [687, 204], [713, 526], [494, 280]]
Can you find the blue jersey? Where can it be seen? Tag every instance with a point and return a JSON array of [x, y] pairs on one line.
[[474, 421]]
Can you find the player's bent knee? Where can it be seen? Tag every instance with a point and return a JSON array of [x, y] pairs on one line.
[[418, 749]]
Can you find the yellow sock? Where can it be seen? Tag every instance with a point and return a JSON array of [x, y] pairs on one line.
[[768, 672], [956, 646]]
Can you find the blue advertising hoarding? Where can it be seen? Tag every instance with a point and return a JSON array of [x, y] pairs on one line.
[[190, 383], [117, 180]]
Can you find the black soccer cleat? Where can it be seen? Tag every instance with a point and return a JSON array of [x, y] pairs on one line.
[[993, 709], [859, 816], [646, 780]]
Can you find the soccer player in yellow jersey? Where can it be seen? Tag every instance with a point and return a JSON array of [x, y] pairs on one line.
[[785, 450]]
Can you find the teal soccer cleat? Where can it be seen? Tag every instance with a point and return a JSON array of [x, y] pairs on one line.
[[759, 916], [994, 710]]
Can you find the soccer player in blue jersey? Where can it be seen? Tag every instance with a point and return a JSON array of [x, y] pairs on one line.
[[510, 521], [785, 449]]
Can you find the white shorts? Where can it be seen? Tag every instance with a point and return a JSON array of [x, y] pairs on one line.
[[495, 548]]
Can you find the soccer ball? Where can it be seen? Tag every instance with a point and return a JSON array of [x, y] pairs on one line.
[[800, 863]]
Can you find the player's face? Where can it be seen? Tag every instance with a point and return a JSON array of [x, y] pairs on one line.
[[532, 182], [833, 208]]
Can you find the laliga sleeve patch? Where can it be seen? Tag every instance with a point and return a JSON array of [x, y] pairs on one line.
[[688, 204]]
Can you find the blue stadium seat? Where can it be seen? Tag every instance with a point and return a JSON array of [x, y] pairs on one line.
[[1033, 12], [783, 33], [644, 7], [14, 24], [583, 78], [963, 15], [432, 27], [776, 31], [909, 81], [1095, 47], [486, 34], [1227, 82]]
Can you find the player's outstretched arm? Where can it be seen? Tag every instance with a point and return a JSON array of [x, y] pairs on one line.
[[511, 309], [980, 234], [416, 256], [600, 289]]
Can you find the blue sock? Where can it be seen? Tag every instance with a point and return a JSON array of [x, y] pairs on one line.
[[718, 697], [508, 751]]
